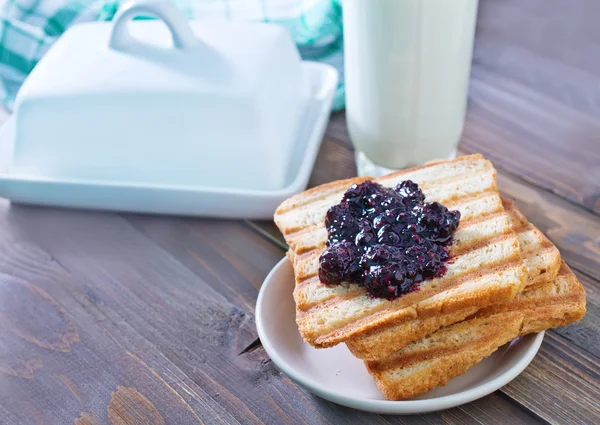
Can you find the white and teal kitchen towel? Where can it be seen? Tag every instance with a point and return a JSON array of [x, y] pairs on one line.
[[29, 27]]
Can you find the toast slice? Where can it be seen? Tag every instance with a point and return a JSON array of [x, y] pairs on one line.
[[432, 361], [485, 265], [541, 258]]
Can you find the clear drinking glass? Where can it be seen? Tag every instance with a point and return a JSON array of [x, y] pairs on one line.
[[407, 65]]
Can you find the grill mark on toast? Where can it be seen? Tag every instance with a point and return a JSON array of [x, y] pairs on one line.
[[430, 185], [309, 196], [305, 300], [517, 216], [415, 173], [463, 244], [530, 304], [366, 323], [313, 256], [443, 187], [472, 200], [316, 216], [350, 291], [482, 218], [430, 354], [315, 242], [454, 254], [447, 195], [379, 343], [305, 250], [364, 346], [317, 212], [565, 291], [538, 236], [542, 241], [428, 288], [312, 280], [295, 239], [318, 193], [420, 355], [540, 251]]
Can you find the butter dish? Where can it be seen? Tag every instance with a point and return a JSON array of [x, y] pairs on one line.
[[191, 200], [167, 116], [163, 102]]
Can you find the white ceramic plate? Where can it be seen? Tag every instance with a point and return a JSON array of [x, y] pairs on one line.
[[336, 375], [181, 200]]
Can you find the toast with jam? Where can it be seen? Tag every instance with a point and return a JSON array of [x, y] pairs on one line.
[[443, 244]]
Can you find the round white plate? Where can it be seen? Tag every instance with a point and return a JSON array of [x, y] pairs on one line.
[[336, 375]]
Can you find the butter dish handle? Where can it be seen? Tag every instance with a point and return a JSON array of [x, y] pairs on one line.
[[183, 36]]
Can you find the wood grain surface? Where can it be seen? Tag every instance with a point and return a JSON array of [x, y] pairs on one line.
[[127, 319]]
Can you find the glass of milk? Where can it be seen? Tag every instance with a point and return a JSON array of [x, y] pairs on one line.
[[407, 65]]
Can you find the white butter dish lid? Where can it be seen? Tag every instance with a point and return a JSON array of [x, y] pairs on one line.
[[175, 199], [165, 102]]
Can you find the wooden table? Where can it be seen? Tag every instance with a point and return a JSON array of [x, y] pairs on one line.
[[132, 319]]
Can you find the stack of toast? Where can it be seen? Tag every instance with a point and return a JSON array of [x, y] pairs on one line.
[[504, 279]]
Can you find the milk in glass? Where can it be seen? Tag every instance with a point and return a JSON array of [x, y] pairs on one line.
[[407, 66]]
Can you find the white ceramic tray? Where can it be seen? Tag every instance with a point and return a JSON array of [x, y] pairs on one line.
[[181, 200]]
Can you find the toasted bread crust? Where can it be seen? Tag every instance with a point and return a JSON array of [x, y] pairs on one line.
[[486, 266], [431, 362], [382, 341]]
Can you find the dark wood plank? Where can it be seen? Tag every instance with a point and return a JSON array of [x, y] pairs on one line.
[[535, 94], [110, 319], [561, 385], [495, 408], [336, 129], [226, 254], [543, 44], [537, 139], [63, 356]]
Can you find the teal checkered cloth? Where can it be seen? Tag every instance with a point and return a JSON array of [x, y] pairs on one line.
[[29, 27]]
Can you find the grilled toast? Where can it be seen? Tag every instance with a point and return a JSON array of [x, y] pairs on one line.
[[541, 258], [485, 266], [432, 361]]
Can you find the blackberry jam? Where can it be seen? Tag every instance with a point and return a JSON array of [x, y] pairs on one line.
[[387, 240]]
